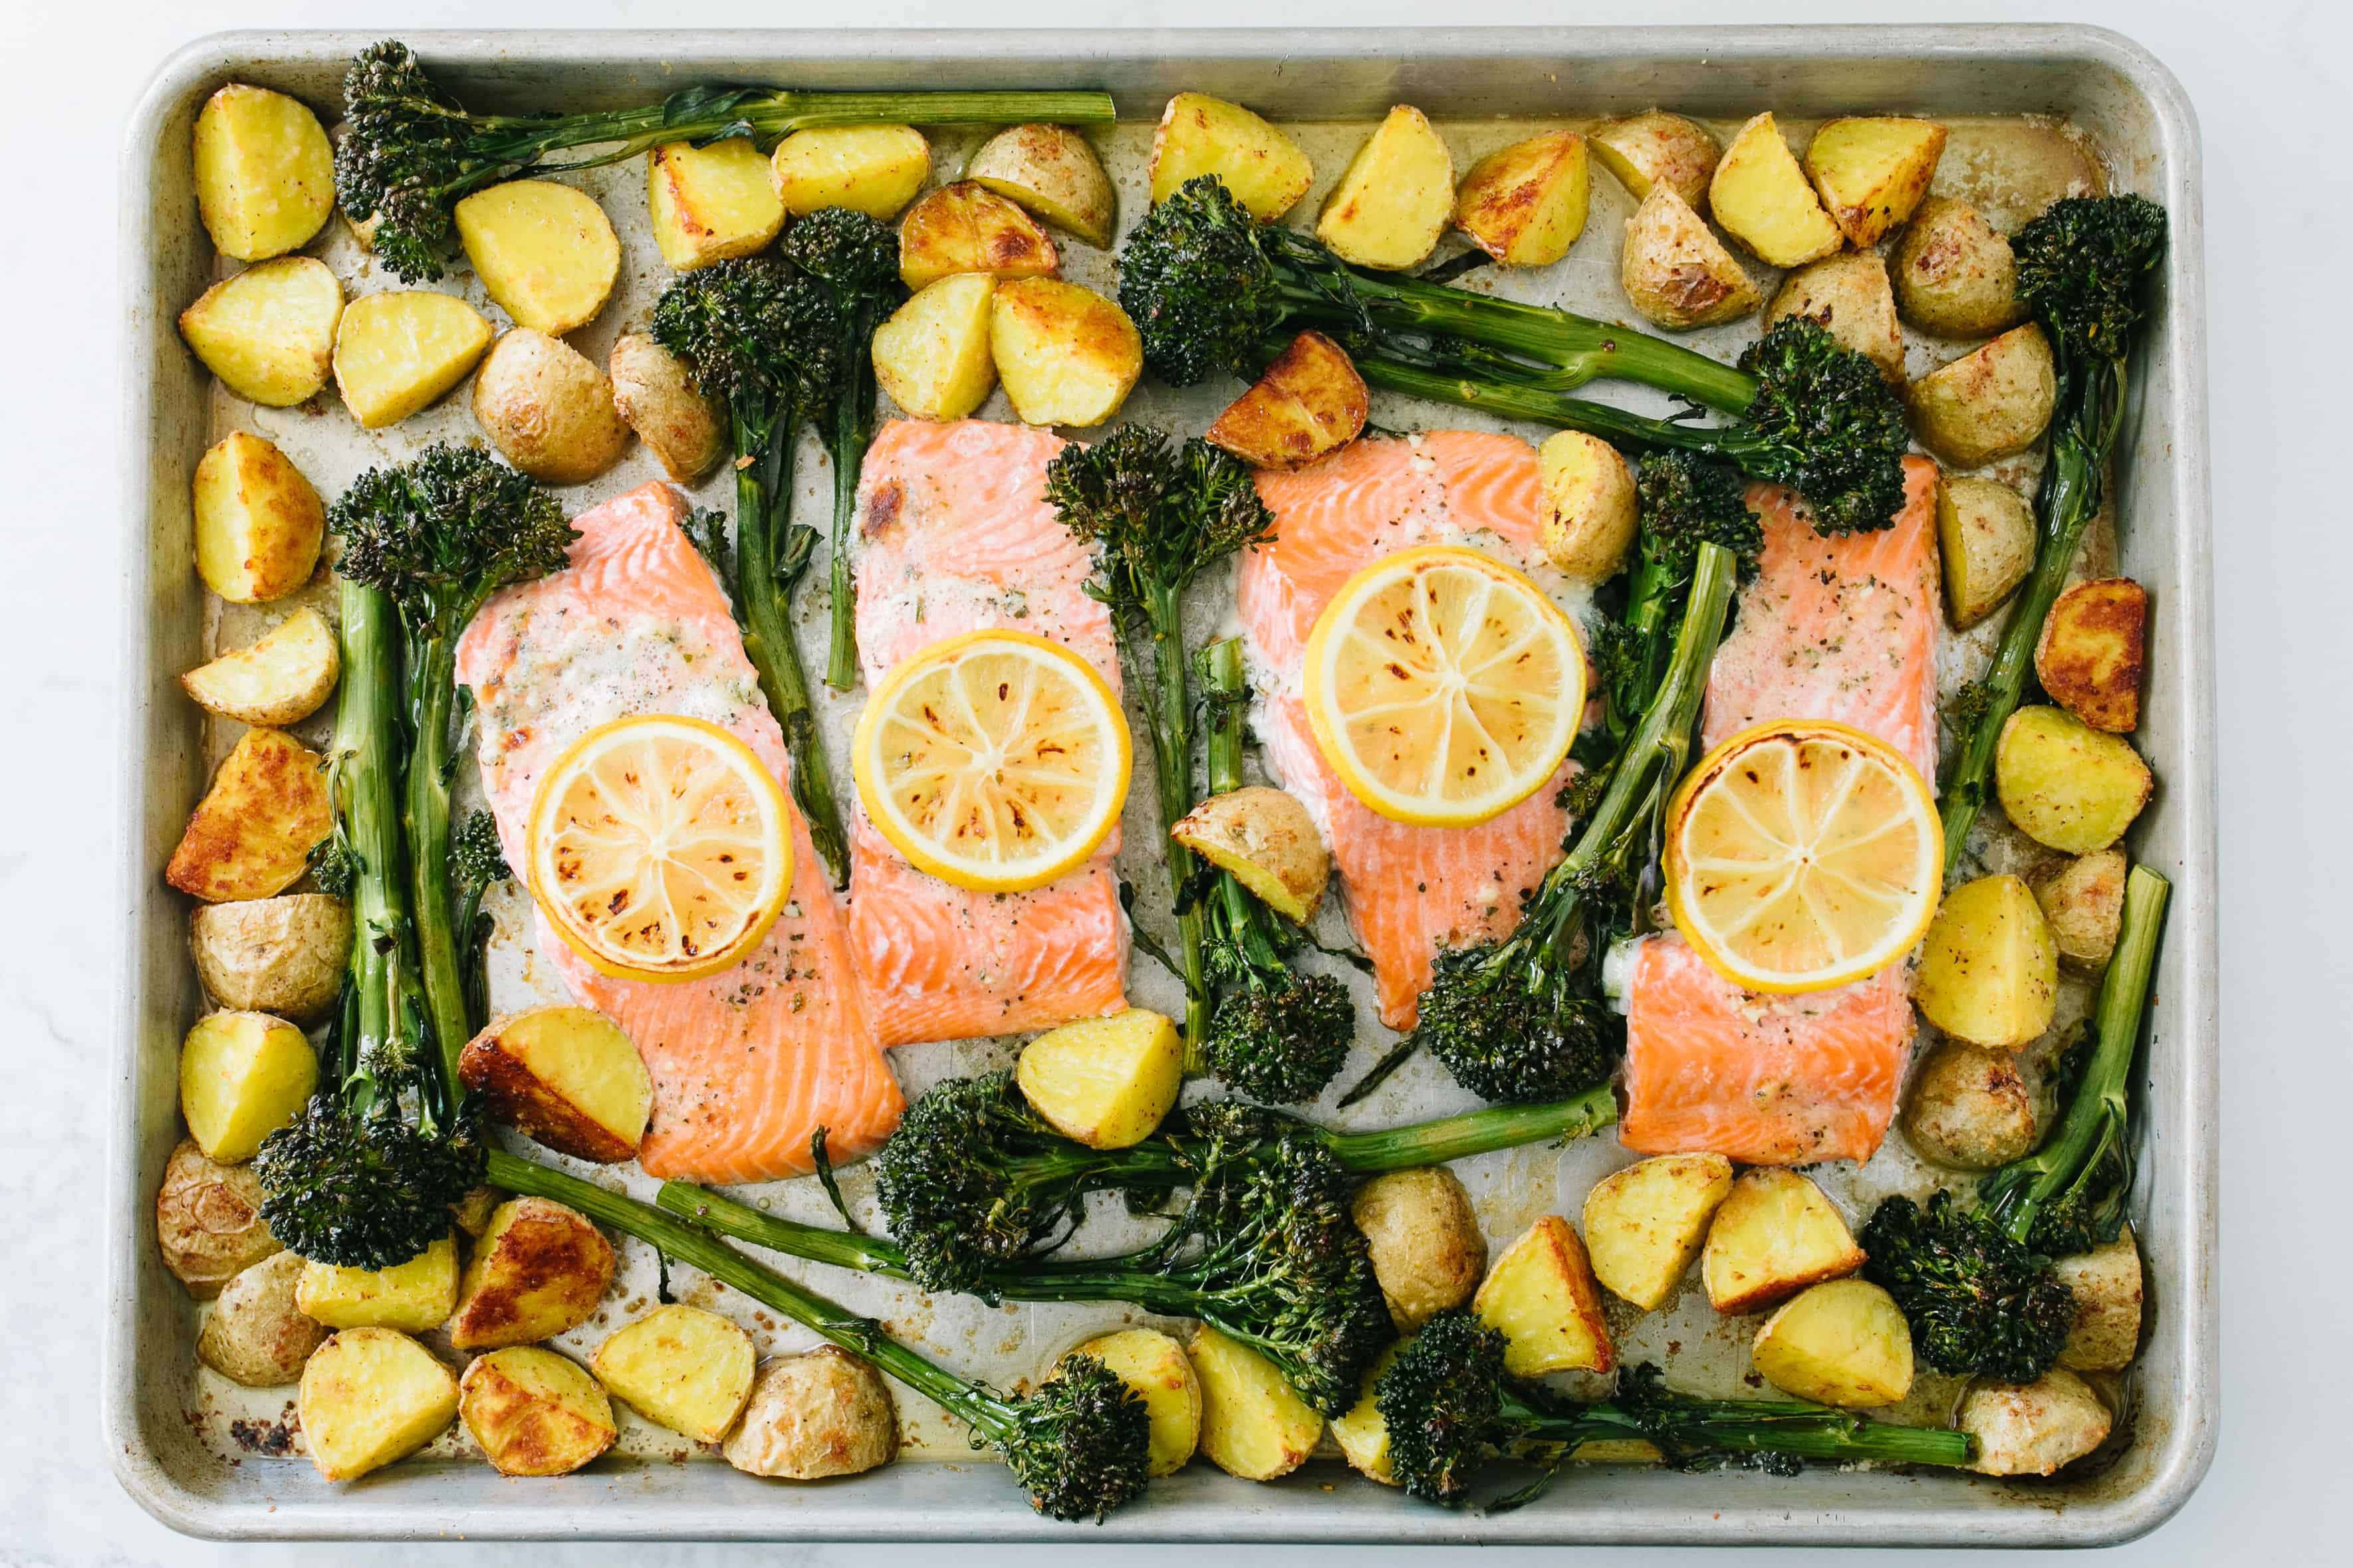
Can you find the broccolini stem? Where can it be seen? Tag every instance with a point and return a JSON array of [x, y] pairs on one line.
[[853, 432], [1221, 678], [1473, 1133], [1172, 753], [367, 791], [432, 702], [1790, 1427]]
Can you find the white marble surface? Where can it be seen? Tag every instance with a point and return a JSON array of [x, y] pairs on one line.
[[2269, 80]]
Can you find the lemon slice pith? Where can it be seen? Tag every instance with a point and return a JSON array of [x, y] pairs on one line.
[[1803, 854], [995, 760], [661, 847], [1443, 685]]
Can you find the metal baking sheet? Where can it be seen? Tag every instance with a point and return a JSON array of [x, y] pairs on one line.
[[2099, 109]]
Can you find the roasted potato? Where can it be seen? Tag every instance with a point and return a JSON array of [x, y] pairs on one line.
[[255, 1334], [1198, 135], [2106, 1285], [1763, 199], [1395, 198], [657, 398], [370, 1396], [1104, 1082], [1361, 1433], [282, 679], [284, 955], [1525, 205], [1268, 840], [687, 1369], [253, 831], [825, 1412], [1988, 973], [1309, 401], [567, 1076], [1588, 518], [1989, 402], [548, 409], [2082, 900], [1253, 1425], [396, 352], [2088, 657], [259, 522], [1156, 1367], [1674, 271], [1645, 1224], [1985, 531], [472, 1213], [538, 1270], [872, 169], [1842, 1341], [1067, 355], [242, 1077], [965, 228], [1848, 294], [545, 253], [1971, 1109], [1427, 1249], [1955, 275], [533, 1412], [265, 174], [208, 1220], [2033, 1428], [1645, 150], [933, 355], [1051, 170], [413, 1296], [1774, 1234], [1872, 172], [1542, 1297], [269, 331], [2064, 784], [710, 203]]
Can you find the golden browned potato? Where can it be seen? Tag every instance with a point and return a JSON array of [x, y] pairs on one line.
[[1842, 1341], [683, 1367], [933, 355], [258, 522], [548, 409], [1267, 840], [208, 1220], [1308, 402], [1645, 1224], [1361, 1433], [371, 1396], [255, 1334], [2033, 1428], [872, 169], [1199, 135], [1542, 1297], [1428, 1253], [1066, 354], [413, 1296], [1872, 172], [713, 203], [1644, 151], [545, 253], [252, 834], [538, 1270], [284, 955], [1955, 275], [1156, 1367], [1989, 402], [1848, 294], [657, 398], [2064, 784], [269, 331], [567, 1076], [2082, 900], [1971, 1109], [1525, 205], [965, 228], [282, 678], [242, 1077], [1763, 199], [1985, 531], [1104, 1082], [1051, 170], [1774, 1234], [265, 176], [825, 1412], [1395, 198], [1253, 1425], [2106, 1285], [1676, 271], [396, 353], [533, 1412], [1988, 973], [2089, 655], [1589, 513]]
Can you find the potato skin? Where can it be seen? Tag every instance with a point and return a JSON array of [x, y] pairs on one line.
[[2035, 1428], [255, 1335], [1674, 271], [827, 1413], [967, 228], [1985, 534], [1589, 505], [1198, 135], [565, 1076], [2088, 657], [1428, 1252], [547, 409], [284, 955], [1848, 294], [208, 1220], [269, 332], [2107, 1287], [1066, 355], [1268, 840], [1525, 205], [265, 176], [1988, 973], [258, 522], [282, 679], [1051, 170], [1971, 1109], [533, 1412], [2064, 784], [252, 834], [2083, 902], [1989, 402], [1395, 198], [657, 398], [1954, 275], [538, 1271], [1309, 402], [1645, 150]]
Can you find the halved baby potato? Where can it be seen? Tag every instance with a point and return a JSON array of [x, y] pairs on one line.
[[370, 1396], [413, 1296], [265, 176], [823, 1412], [2088, 657], [1308, 402], [872, 169], [269, 331], [710, 204], [548, 409], [1774, 1234], [1644, 151], [1674, 271], [1395, 198], [259, 522], [1988, 973], [1051, 170], [2064, 784], [1199, 135], [682, 1367], [1589, 514], [1253, 1425], [1991, 403], [1645, 1224], [2107, 1287], [1067, 355], [933, 355], [1542, 1296], [284, 955], [282, 678], [547, 253], [2033, 1428], [966, 228], [1525, 205], [255, 1335], [1954, 273], [1848, 294], [537, 1271], [1763, 199], [1156, 1367], [655, 396], [565, 1077], [208, 1223], [1973, 1109], [252, 834], [1872, 172], [533, 1412], [2083, 902], [242, 1077], [1985, 534], [1267, 841], [396, 352], [1842, 1341], [1104, 1082], [1424, 1240]]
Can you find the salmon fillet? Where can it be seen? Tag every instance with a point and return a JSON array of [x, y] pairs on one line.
[[1410, 891], [746, 1064], [955, 535]]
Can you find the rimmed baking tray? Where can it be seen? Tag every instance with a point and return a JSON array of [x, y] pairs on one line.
[[2125, 100]]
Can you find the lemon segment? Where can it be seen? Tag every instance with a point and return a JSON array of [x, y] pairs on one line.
[[1443, 687], [661, 849], [995, 760], [1803, 854]]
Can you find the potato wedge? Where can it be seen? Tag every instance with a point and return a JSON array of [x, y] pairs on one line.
[[413, 1296], [2033, 1428], [269, 331], [655, 398], [396, 352], [2089, 655], [284, 955], [2082, 900], [259, 522], [1954, 274], [965, 228], [548, 409], [825, 1412], [1050, 171], [537, 1271], [265, 174], [1309, 401], [1541, 1295], [2066, 785], [1848, 294], [1199, 135], [1988, 973], [2107, 1287], [1645, 1224], [371, 1396], [252, 834], [1774, 1234], [242, 1077], [933, 355], [1842, 1341], [1525, 205], [1104, 1082], [1067, 355], [208, 1220], [687, 1369], [565, 1077], [1652, 149], [872, 169], [547, 253], [1586, 521], [1971, 1109], [1253, 1425], [1395, 198], [1676, 271], [255, 1335], [1985, 532], [1268, 840], [1362, 1434], [282, 679], [1764, 200], [1989, 402], [1872, 172], [1156, 1367], [535, 1412], [1428, 1252], [710, 204]]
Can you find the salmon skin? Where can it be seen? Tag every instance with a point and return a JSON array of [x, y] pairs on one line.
[[747, 1063], [955, 535], [1410, 891]]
